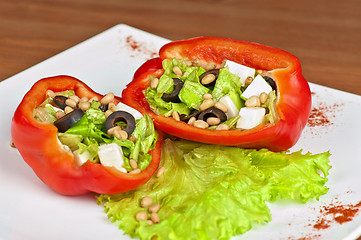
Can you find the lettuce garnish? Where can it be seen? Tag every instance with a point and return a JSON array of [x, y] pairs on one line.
[[216, 192]]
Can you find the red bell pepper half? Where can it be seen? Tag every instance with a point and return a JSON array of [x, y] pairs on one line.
[[39, 146], [294, 97]]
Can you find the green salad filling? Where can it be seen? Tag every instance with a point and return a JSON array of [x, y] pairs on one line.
[[216, 192]]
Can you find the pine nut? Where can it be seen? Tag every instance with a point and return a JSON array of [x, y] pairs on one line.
[[249, 80], [50, 93], [112, 107], [196, 62], [132, 138], [224, 61], [253, 102], [107, 99], [70, 102], [154, 208], [75, 98], [177, 71], [146, 202], [84, 105], [210, 66], [141, 216], [175, 115], [221, 107], [149, 222], [95, 98], [59, 114], [213, 121], [208, 79], [111, 131], [154, 217], [207, 95], [121, 134], [154, 83], [133, 164], [200, 124], [84, 99], [222, 127], [191, 121], [206, 104], [160, 171], [12, 144], [107, 113], [263, 97], [68, 109], [135, 171], [188, 62]]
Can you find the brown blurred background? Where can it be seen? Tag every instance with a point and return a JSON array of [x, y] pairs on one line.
[[324, 35]]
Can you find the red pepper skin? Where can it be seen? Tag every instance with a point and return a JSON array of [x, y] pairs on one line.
[[294, 94], [38, 144]]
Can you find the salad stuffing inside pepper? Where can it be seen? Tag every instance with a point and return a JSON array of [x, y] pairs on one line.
[[79, 141], [99, 130], [233, 96]]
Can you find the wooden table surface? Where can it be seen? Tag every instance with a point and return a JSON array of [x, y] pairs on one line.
[[325, 34]]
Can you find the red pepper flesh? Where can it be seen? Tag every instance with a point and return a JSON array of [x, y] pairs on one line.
[[294, 96], [39, 146]]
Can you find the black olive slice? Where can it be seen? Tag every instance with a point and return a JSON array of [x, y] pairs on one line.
[[104, 107], [67, 121], [212, 112], [60, 101], [271, 82], [215, 72], [121, 116], [173, 96]]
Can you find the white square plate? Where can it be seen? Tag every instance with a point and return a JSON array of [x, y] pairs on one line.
[[30, 210]]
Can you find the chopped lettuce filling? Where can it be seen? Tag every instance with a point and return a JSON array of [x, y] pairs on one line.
[[216, 192]]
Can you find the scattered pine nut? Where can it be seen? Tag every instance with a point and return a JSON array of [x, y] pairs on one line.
[[112, 107], [141, 216], [253, 101], [136, 171], [154, 208], [208, 79], [107, 98], [191, 120], [249, 80], [177, 71], [206, 104], [68, 109], [133, 164], [160, 171], [222, 127], [207, 95], [154, 217], [213, 121], [263, 97], [200, 124], [210, 66], [12, 144], [107, 113], [70, 102], [221, 107], [146, 202], [150, 222], [84, 105], [50, 93], [59, 114], [175, 115], [75, 98], [154, 83]]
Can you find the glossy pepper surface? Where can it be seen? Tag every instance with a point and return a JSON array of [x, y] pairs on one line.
[[294, 97], [39, 146]]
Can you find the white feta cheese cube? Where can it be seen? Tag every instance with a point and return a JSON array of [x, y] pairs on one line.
[[81, 158], [111, 155], [123, 107], [240, 70], [250, 117], [232, 109], [257, 86]]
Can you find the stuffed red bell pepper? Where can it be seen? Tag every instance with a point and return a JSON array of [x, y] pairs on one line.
[[79, 141], [223, 91]]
